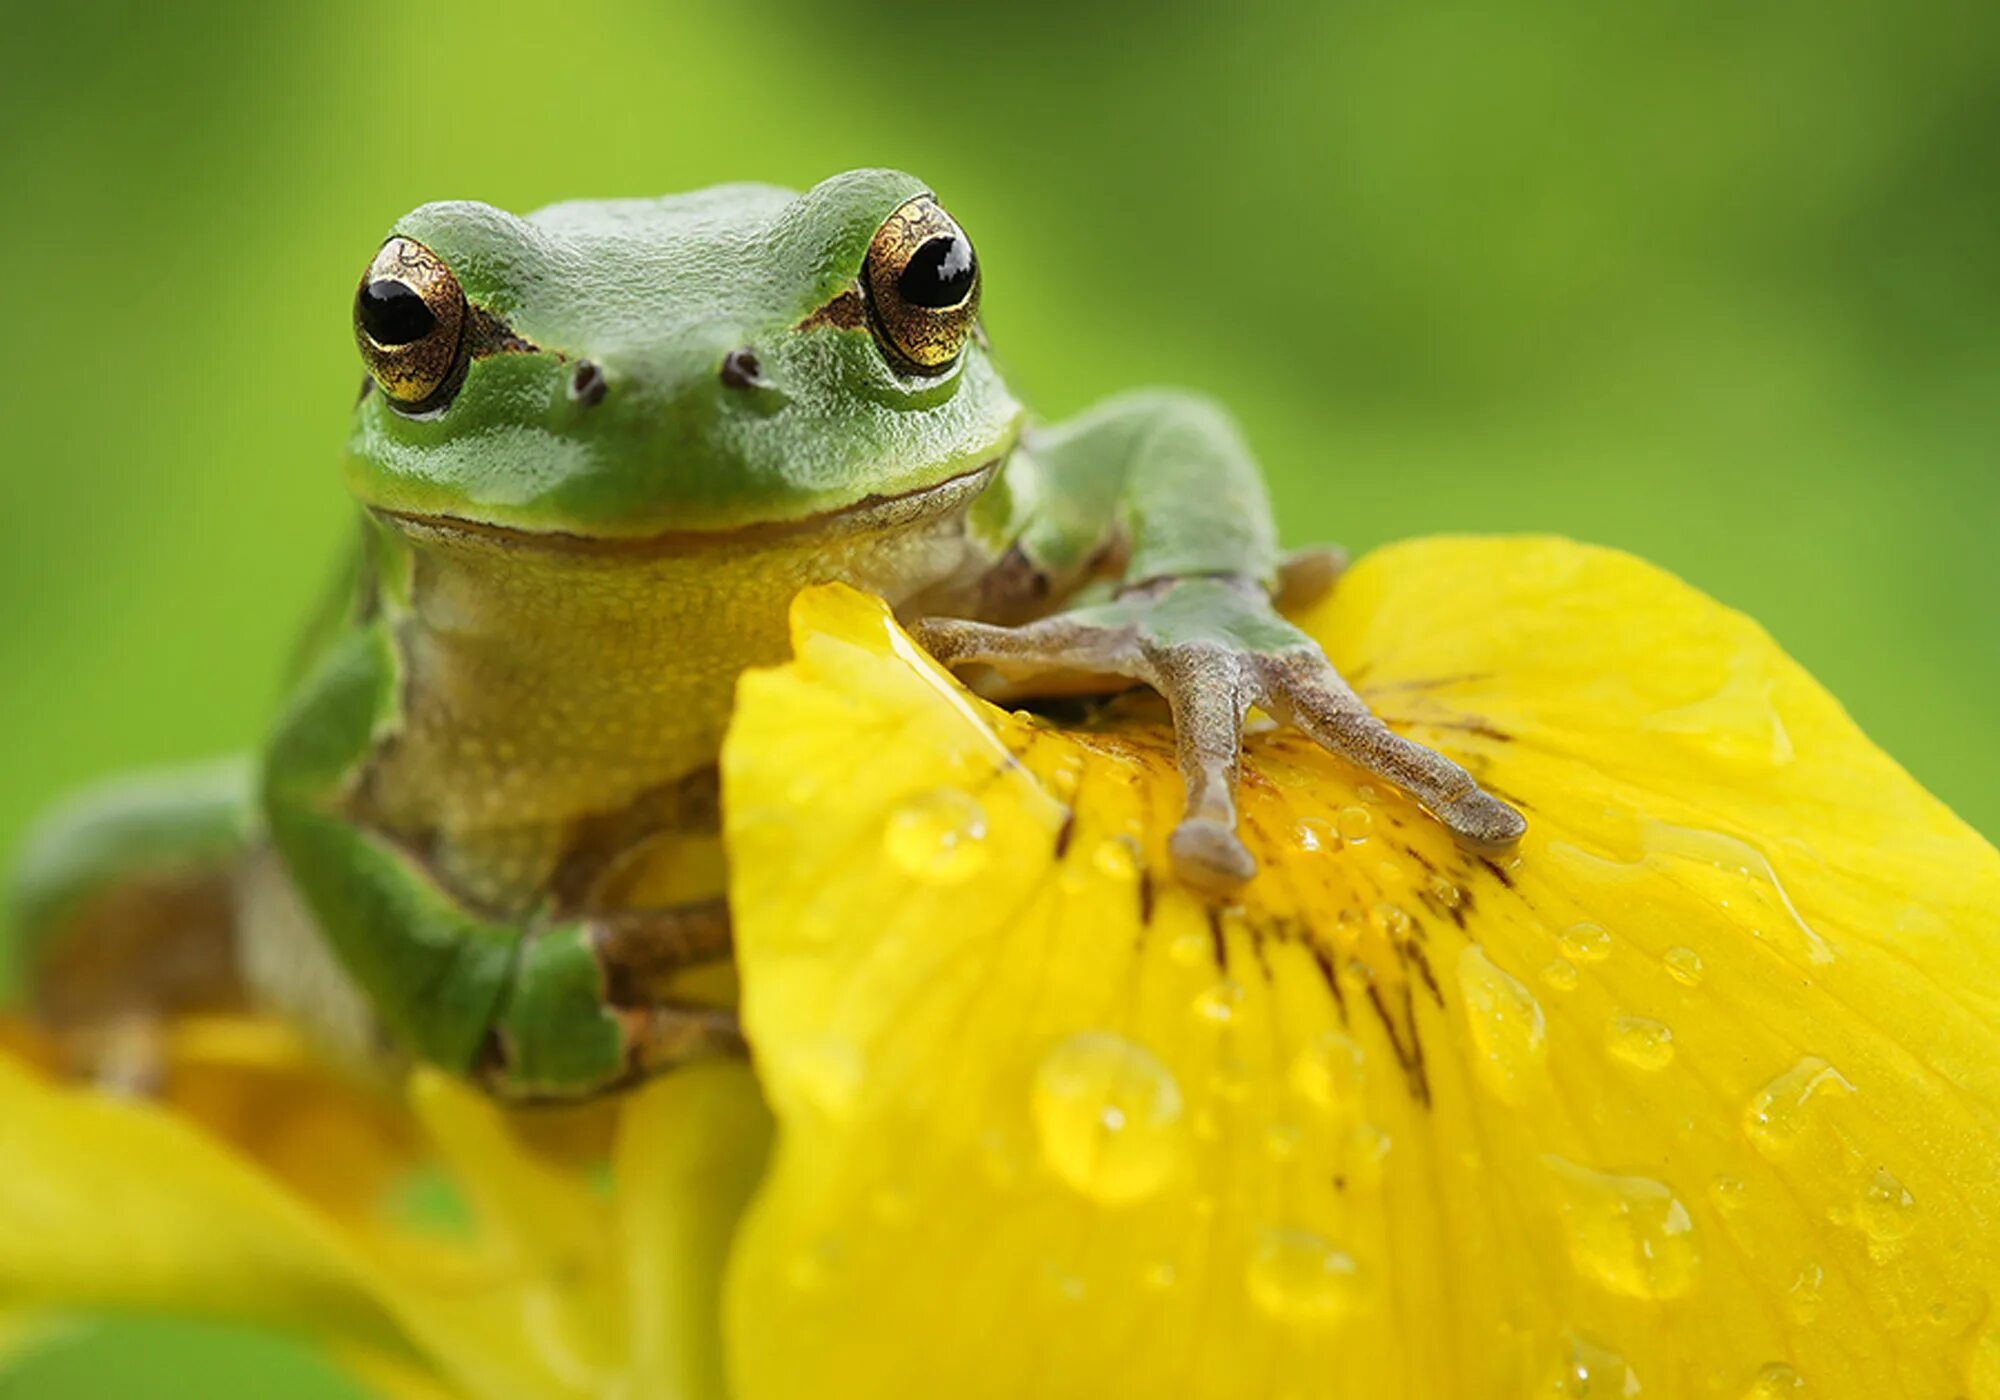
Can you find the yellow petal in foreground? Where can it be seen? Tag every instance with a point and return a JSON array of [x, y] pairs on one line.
[[213, 1201], [1697, 1096]]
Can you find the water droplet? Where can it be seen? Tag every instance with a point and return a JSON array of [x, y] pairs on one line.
[[1354, 825], [1777, 1112], [1219, 1004], [1560, 975], [1586, 1371], [828, 1076], [938, 836], [1061, 1286], [1108, 1115], [1281, 1141], [1641, 1042], [1117, 858], [1390, 920], [1316, 834], [1586, 942], [1160, 1276], [1729, 853], [1684, 966], [1297, 1276], [1327, 1072], [1192, 949], [1230, 1079], [1505, 1023], [1727, 1192], [1368, 1149], [1063, 780], [1806, 1296], [1630, 1235], [1444, 891], [1888, 1212], [1775, 1381], [813, 1267]]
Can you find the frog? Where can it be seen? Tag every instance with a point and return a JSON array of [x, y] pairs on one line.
[[597, 451]]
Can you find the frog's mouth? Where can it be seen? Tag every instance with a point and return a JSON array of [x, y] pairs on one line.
[[877, 513]]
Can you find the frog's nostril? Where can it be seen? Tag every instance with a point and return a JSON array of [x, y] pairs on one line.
[[741, 369], [586, 384]]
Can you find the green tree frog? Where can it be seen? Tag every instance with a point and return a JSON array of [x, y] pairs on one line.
[[598, 450]]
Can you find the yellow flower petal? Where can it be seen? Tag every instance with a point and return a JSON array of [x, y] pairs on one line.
[[207, 1202], [110, 1203], [1699, 1094]]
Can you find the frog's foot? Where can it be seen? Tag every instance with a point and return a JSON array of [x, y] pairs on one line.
[[1214, 647]]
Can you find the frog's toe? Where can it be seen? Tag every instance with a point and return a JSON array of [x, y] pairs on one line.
[[1482, 823], [1301, 687], [1209, 855], [1052, 643]]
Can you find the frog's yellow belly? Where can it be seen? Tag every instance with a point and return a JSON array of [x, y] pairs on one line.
[[553, 684]]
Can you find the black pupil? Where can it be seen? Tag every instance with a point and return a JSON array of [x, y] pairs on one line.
[[939, 274], [394, 314]]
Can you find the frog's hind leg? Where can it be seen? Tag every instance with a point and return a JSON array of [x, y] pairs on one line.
[[122, 914]]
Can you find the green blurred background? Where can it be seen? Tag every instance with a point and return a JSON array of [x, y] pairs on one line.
[[1713, 282]]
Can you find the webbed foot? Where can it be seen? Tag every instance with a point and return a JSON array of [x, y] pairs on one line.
[[1214, 647]]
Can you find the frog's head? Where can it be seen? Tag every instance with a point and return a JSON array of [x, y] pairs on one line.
[[702, 363]]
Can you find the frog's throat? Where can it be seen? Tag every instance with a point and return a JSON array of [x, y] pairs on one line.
[[870, 513]]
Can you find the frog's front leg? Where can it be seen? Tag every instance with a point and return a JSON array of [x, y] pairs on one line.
[[537, 1007], [1161, 484]]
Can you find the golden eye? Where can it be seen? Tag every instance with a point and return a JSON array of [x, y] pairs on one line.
[[922, 280], [409, 318]]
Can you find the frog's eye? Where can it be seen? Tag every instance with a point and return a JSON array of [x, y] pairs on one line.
[[409, 317], [922, 281]]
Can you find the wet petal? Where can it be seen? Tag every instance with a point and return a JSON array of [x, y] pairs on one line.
[[1699, 1093], [565, 1285]]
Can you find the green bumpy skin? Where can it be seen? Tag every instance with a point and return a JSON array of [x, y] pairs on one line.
[[663, 418]]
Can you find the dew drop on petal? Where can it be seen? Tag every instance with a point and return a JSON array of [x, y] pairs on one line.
[[1367, 1150], [1217, 1005], [1586, 942], [1683, 965], [1640, 1042], [1117, 858], [1728, 1193], [1316, 834], [1281, 1141], [1775, 1381], [1587, 1371], [1560, 975], [828, 1073], [1630, 1235], [1806, 1296], [1777, 1113], [1326, 1073], [1191, 949], [1888, 1212], [1391, 920], [816, 1265], [1354, 824], [1108, 1115], [938, 837], [1297, 1276], [1506, 1026]]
